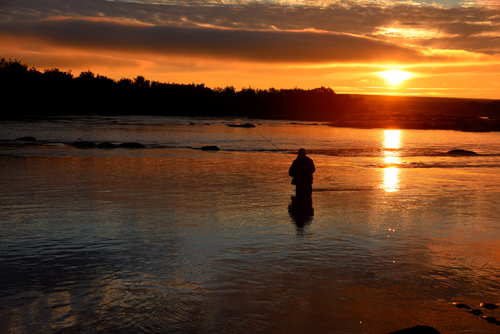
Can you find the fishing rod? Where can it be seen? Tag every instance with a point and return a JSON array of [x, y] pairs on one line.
[[274, 145]]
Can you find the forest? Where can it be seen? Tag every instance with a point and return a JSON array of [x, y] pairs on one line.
[[55, 92], [30, 92]]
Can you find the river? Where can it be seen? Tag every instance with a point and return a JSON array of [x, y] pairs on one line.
[[172, 238]]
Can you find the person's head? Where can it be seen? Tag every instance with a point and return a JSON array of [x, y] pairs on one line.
[[302, 151]]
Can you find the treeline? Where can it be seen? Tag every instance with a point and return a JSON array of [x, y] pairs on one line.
[[55, 92]]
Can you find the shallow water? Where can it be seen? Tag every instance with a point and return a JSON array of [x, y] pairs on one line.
[[175, 239]]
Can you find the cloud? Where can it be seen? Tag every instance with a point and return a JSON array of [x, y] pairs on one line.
[[361, 18], [258, 43], [485, 45], [240, 45]]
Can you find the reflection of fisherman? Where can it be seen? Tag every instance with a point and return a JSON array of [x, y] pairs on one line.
[[301, 211], [302, 170]]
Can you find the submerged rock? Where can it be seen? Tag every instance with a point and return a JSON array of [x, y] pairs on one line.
[[460, 305], [488, 306], [131, 145], [26, 139], [417, 330], [246, 125], [106, 145], [491, 320], [461, 152], [84, 144], [476, 312], [210, 148]]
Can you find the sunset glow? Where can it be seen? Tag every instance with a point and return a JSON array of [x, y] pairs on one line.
[[392, 141], [446, 49], [395, 77]]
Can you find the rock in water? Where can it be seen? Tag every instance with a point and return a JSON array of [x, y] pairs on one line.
[[246, 125], [491, 320], [476, 312], [106, 145], [460, 305], [417, 330], [210, 148], [461, 152], [26, 139], [488, 306], [83, 144], [131, 145]]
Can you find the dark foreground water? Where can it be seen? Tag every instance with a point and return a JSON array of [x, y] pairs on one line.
[[173, 239]]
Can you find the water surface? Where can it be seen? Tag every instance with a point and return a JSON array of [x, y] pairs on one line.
[[174, 239]]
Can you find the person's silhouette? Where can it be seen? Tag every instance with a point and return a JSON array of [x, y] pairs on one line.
[[302, 170]]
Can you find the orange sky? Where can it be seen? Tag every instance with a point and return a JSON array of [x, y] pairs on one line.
[[450, 48]]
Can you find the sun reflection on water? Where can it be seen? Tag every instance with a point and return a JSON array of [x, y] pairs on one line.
[[391, 160], [392, 141], [391, 175]]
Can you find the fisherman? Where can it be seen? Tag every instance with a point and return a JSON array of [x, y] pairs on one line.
[[302, 170]]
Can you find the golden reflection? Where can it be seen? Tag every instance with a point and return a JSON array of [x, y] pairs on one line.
[[391, 179], [392, 139], [391, 172], [391, 160]]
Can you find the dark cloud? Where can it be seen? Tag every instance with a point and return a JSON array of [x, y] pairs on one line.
[[243, 45], [363, 18], [356, 17], [485, 45], [467, 29]]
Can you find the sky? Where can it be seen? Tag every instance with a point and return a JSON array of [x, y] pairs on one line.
[[449, 48]]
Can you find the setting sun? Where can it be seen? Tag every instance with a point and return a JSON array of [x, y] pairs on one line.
[[395, 77]]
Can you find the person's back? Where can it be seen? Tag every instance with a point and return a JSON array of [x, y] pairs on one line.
[[302, 170]]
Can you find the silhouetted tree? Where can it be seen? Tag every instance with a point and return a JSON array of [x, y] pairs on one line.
[[61, 92], [140, 81]]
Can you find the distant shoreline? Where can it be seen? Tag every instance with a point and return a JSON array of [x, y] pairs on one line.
[[58, 93]]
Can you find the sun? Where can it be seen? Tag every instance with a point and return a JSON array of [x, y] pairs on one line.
[[395, 77]]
